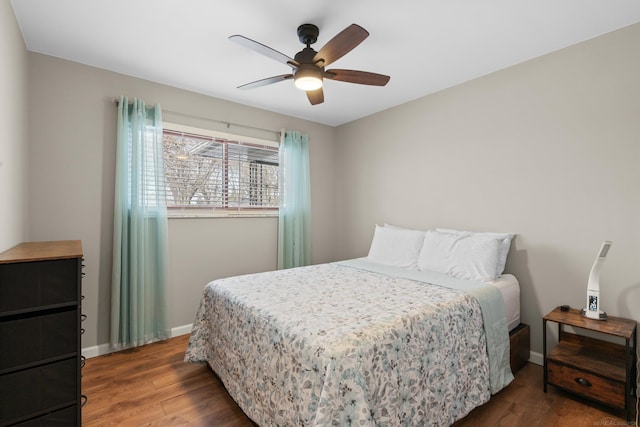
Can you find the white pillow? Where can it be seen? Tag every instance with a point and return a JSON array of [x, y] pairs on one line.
[[467, 256], [438, 252], [396, 247], [402, 228], [505, 245]]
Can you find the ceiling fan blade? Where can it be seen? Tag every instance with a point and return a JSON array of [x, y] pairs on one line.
[[360, 77], [263, 49], [341, 44], [267, 81], [315, 96]]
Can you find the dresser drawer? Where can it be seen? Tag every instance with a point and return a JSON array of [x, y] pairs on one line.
[[39, 389], [605, 390], [30, 285], [27, 340], [65, 417]]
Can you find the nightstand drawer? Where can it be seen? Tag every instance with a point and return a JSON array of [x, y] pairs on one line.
[[607, 391]]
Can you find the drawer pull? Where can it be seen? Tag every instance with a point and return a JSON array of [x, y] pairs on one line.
[[583, 382]]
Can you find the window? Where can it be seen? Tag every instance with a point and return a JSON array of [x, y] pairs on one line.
[[215, 174]]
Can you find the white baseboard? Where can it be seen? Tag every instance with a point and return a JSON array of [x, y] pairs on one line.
[[96, 350], [101, 349], [536, 358], [181, 330]]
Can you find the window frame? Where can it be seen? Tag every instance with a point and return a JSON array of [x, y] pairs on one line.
[[220, 212]]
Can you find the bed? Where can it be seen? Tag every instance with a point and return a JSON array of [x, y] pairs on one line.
[[358, 342]]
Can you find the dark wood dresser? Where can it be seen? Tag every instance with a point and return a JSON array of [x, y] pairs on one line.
[[40, 350]]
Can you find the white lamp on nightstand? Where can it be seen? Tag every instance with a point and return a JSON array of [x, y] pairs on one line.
[[592, 310]]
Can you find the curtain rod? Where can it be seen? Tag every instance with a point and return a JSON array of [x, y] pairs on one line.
[[229, 124]]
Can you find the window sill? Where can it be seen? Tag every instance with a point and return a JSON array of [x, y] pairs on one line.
[[207, 213]]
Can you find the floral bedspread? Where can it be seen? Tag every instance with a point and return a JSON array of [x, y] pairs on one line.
[[331, 345]]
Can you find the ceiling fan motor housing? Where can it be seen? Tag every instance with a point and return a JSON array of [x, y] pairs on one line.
[[307, 68], [305, 56]]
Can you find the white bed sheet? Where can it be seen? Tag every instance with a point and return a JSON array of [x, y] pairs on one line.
[[510, 289]]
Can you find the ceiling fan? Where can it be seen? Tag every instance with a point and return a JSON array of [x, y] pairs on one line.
[[308, 66]]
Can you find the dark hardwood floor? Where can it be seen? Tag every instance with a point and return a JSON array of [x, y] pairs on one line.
[[152, 386]]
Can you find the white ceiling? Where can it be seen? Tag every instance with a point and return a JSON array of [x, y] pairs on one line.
[[424, 45]]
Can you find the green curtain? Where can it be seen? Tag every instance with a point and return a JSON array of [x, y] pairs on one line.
[[138, 306], [294, 228]]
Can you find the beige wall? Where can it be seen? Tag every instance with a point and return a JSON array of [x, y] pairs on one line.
[[72, 165], [548, 149], [13, 122]]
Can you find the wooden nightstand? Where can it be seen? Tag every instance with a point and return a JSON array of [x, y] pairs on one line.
[[599, 370]]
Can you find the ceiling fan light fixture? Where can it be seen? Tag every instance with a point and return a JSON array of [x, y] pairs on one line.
[[308, 79]]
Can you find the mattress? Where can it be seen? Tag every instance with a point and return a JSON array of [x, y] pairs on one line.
[[510, 289]]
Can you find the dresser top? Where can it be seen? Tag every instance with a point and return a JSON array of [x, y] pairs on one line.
[[41, 251]]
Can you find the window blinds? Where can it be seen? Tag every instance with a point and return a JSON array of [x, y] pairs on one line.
[[204, 171]]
